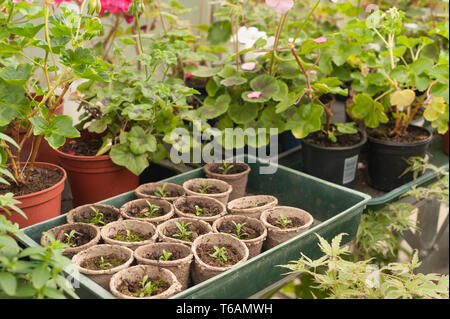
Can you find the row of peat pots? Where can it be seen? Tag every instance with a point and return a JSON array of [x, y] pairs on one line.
[[213, 232], [373, 161]]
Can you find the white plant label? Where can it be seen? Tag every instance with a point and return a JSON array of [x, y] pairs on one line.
[[350, 165]]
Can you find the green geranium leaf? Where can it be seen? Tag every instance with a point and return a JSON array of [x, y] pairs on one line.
[[214, 107], [289, 70], [205, 72], [346, 128], [219, 32], [290, 100], [140, 141], [435, 109], [139, 112], [243, 113], [282, 93], [13, 103], [56, 130], [266, 84], [234, 80], [16, 75], [123, 156], [366, 109], [100, 125], [212, 87], [8, 283], [28, 30], [306, 120]]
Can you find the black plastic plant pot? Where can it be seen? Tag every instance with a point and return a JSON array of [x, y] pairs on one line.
[[334, 164], [387, 161]]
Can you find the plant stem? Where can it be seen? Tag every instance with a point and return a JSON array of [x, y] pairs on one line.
[[304, 22], [277, 39], [136, 14]]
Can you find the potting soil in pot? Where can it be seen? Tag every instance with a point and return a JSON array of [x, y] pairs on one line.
[[99, 263], [206, 251], [291, 222], [191, 207], [136, 288], [246, 231], [78, 147]]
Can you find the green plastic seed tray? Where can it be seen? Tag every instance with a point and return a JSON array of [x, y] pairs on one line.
[[336, 210], [379, 198]]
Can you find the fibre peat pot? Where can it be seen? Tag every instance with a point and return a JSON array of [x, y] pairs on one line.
[[251, 206], [203, 271], [180, 264], [148, 191], [202, 202], [134, 276], [255, 244], [334, 164], [276, 235], [91, 232], [238, 181], [83, 213], [224, 189], [168, 228], [94, 178], [144, 229], [139, 204], [102, 277], [42, 205], [387, 161]]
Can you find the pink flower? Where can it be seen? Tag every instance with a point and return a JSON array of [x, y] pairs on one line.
[[71, 152], [189, 75], [249, 66], [312, 72], [320, 40], [114, 6], [28, 1], [280, 6], [254, 95]]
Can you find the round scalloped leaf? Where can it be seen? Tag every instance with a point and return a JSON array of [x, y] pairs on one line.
[[403, 98], [243, 113]]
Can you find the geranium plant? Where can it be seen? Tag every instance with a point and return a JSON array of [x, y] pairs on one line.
[[31, 88]]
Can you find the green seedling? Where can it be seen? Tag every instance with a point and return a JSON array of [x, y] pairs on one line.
[[98, 219], [184, 234], [161, 192], [148, 287], [69, 238], [204, 188], [219, 254], [130, 237], [165, 256], [151, 212], [283, 222], [239, 234], [198, 211], [104, 264], [225, 168]]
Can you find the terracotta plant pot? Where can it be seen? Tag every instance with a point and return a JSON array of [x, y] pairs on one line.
[[203, 271], [238, 181], [166, 229], [42, 205], [446, 142], [252, 206], [94, 178], [180, 265], [148, 191], [128, 210], [134, 276], [224, 188], [82, 214], [276, 235], [255, 244], [217, 208], [92, 232], [147, 230], [102, 277]]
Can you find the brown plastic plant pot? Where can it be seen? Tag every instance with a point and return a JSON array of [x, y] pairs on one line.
[[59, 233], [95, 178], [103, 277], [254, 245], [276, 235], [203, 271], [148, 191], [201, 201], [237, 181], [141, 203], [169, 227], [85, 212], [136, 274], [145, 255], [224, 188], [42, 205], [252, 206], [110, 231]]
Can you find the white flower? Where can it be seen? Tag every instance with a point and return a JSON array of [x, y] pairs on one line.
[[411, 26], [374, 46]]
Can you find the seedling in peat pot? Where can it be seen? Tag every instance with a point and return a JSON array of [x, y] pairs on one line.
[[184, 234], [283, 222], [225, 168], [161, 192], [69, 238], [98, 219], [130, 237], [219, 254], [238, 233], [151, 211], [204, 188], [198, 211], [104, 264], [148, 287], [165, 256]]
